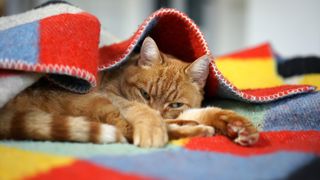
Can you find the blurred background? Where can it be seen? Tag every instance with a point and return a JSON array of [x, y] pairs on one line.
[[291, 26]]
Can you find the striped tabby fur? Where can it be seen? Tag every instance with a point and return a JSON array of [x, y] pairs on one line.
[[135, 103], [128, 105]]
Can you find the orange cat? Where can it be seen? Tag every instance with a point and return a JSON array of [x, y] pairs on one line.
[[138, 102]]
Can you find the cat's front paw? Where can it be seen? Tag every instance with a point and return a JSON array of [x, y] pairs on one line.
[[229, 123], [187, 128], [150, 131], [240, 129], [243, 132]]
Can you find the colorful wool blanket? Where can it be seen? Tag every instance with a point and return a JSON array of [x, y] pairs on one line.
[[62, 42]]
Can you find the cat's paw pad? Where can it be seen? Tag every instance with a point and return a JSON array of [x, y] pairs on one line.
[[243, 131]]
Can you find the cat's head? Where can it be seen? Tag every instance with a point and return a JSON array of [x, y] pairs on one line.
[[164, 82]]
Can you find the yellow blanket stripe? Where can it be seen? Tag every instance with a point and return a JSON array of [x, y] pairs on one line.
[[180, 142], [312, 79], [17, 164], [250, 73]]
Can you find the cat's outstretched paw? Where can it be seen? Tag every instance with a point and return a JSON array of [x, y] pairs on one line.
[[243, 131], [226, 122], [188, 128]]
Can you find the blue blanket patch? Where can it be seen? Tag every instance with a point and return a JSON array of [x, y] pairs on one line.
[[20, 43], [297, 113], [185, 164]]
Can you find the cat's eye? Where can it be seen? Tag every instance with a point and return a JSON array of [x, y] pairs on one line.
[[144, 94], [176, 105]]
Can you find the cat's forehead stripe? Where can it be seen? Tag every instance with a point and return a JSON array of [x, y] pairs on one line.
[[171, 93], [151, 86], [169, 85]]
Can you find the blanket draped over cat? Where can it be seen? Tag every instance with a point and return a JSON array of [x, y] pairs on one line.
[[62, 42]]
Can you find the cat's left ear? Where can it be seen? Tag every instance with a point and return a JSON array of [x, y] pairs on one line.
[[149, 53], [199, 70]]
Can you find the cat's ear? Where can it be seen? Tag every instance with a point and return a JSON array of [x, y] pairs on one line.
[[199, 70], [149, 53]]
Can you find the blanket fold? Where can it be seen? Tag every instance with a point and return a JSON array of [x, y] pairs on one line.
[[54, 40], [62, 42], [176, 34]]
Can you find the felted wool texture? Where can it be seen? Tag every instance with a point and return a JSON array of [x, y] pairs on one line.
[[177, 35], [298, 113], [57, 39], [195, 157], [12, 84]]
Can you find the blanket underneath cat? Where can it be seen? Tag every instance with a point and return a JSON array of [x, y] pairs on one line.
[[61, 42], [289, 146]]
